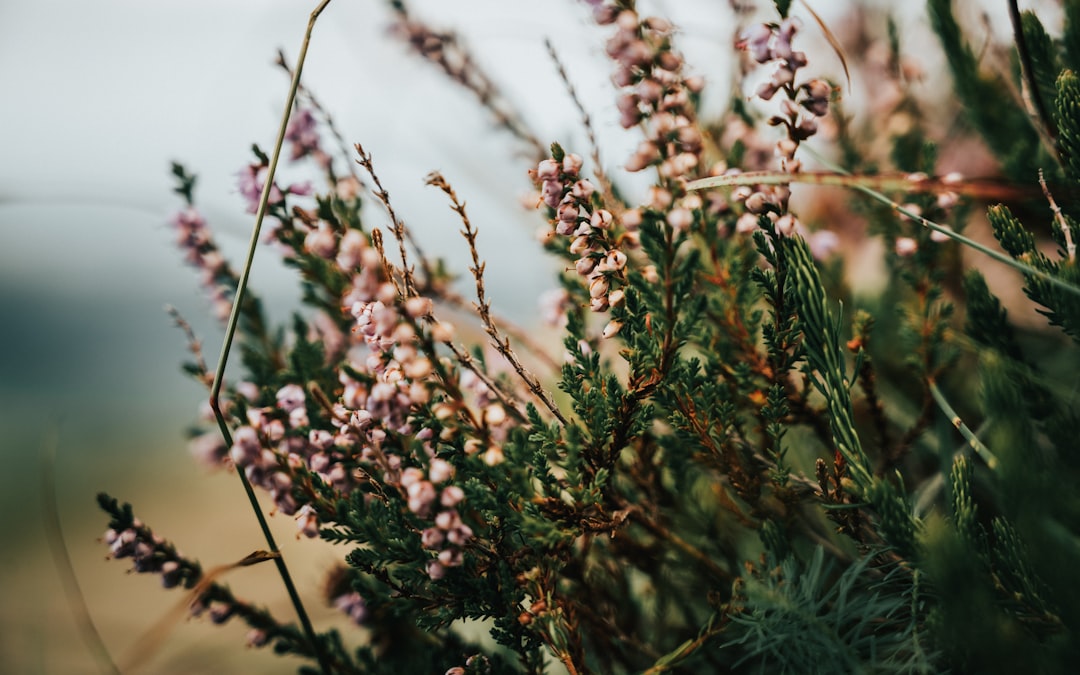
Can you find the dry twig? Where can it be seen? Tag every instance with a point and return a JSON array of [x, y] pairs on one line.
[[398, 226], [483, 307], [610, 199]]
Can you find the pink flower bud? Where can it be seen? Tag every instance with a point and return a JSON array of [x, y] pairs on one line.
[[910, 208], [580, 245], [627, 20], [757, 203], [612, 329], [806, 128], [623, 76], [447, 520], [552, 193], [598, 287], [321, 242], [615, 260], [601, 219], [786, 225], [648, 90], [823, 243], [947, 200], [451, 496], [755, 39], [906, 246], [582, 190], [669, 61], [493, 456], [746, 223], [568, 212], [440, 470], [680, 219], [585, 266], [450, 557], [494, 415], [411, 476], [307, 522], [460, 535], [421, 495], [572, 164], [435, 570], [659, 198], [548, 170], [432, 538], [940, 237]]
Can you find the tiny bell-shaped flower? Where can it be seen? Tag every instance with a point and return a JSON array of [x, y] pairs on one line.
[[612, 329]]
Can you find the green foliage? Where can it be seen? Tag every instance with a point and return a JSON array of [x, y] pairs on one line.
[[749, 463], [1071, 36], [1060, 301], [1043, 59], [806, 617], [185, 183], [1066, 111], [1004, 127]]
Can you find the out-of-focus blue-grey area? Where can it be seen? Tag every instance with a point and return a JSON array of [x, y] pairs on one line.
[[96, 98]]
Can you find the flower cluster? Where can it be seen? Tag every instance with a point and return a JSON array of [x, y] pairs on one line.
[[201, 252], [655, 93], [937, 208], [449, 534], [150, 554], [660, 99], [302, 134], [252, 179], [802, 104], [599, 260]]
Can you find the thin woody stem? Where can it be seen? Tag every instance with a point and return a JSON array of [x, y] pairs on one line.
[[594, 147], [483, 307], [508, 327], [973, 441], [343, 147], [230, 333], [1059, 218], [842, 178], [398, 226]]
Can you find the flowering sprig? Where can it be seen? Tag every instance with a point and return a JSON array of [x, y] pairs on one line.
[[128, 537], [252, 179], [803, 102], [655, 93], [595, 236]]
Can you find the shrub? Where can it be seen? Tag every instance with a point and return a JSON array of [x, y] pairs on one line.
[[748, 462]]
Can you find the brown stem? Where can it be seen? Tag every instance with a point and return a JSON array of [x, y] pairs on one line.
[[483, 306]]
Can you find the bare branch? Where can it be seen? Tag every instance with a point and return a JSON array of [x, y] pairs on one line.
[[483, 307]]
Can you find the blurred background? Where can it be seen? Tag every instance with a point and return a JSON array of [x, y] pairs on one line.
[[96, 99]]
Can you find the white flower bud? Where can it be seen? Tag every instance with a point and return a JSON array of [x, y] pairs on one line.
[[612, 329], [598, 287], [906, 246]]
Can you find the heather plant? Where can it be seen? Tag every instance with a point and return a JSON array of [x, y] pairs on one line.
[[741, 460]]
